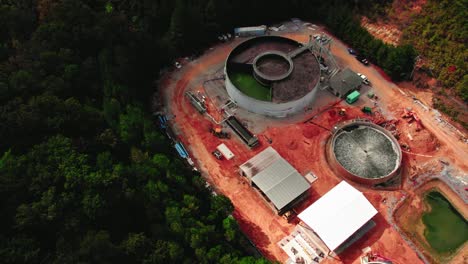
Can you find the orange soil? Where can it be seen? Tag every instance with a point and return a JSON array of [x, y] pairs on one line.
[[303, 146], [386, 32]]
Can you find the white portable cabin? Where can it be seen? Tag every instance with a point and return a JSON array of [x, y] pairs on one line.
[[227, 153]]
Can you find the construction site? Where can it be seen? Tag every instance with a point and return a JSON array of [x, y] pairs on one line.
[[320, 166]]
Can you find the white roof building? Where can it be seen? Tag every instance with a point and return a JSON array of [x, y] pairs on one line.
[[338, 214]]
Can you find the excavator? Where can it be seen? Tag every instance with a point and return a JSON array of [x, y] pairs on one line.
[[219, 133]]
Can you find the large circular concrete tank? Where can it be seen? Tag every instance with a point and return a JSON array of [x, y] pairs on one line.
[[272, 76], [364, 153]]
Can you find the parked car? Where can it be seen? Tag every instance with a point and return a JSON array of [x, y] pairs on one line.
[[177, 65], [364, 78], [362, 59], [217, 154], [351, 51], [323, 67], [275, 29]]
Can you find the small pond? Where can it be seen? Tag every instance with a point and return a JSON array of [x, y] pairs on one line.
[[446, 229]]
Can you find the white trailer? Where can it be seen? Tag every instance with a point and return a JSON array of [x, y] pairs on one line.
[[227, 153], [250, 31]]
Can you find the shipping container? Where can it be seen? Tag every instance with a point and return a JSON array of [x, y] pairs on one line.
[[250, 31], [352, 97]]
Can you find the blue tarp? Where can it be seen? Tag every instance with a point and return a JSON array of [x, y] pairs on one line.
[[162, 121], [181, 150]]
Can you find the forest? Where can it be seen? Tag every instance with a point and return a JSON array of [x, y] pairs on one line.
[[85, 175], [440, 33]]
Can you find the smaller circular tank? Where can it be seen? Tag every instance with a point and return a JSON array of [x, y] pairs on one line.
[[272, 66], [364, 152]]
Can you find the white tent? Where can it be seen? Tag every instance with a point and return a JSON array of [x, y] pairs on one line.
[[338, 214]]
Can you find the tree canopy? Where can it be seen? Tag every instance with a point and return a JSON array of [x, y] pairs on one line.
[[439, 33]]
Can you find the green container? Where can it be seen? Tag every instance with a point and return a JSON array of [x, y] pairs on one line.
[[367, 110], [352, 97]]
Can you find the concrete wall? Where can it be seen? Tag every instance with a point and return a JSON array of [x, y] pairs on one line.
[[341, 171], [269, 108]]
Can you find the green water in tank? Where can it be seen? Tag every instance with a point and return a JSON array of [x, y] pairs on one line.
[[247, 84]]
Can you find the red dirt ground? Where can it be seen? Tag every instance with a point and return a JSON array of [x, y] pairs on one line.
[[303, 146]]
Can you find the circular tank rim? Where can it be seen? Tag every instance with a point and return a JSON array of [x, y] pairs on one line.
[[273, 77], [256, 100], [358, 178]]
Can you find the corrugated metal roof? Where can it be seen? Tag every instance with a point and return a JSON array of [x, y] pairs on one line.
[[276, 178], [259, 162], [273, 174], [288, 189], [345, 81]]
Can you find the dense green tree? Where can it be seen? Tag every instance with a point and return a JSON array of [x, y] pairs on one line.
[[462, 88], [439, 33], [96, 247]]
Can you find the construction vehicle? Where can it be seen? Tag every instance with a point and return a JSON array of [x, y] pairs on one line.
[[405, 147], [374, 258], [219, 133], [367, 110], [289, 215]]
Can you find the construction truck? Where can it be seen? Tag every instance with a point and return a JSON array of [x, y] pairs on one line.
[[219, 133]]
